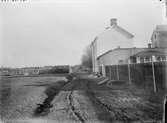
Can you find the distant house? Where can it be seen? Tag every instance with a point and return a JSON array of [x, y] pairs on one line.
[[4, 71], [113, 37], [30, 71], [159, 36]]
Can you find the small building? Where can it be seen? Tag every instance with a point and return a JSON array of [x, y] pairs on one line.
[[30, 71], [4, 71]]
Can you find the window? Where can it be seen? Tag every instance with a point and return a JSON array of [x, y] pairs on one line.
[[155, 36], [163, 58], [142, 60], [147, 59], [133, 59], [120, 61], [158, 58]]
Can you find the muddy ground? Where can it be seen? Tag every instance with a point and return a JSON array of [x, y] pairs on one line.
[[81, 100]]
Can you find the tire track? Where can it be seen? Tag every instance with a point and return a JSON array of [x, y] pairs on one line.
[[73, 108], [52, 91], [118, 114], [99, 106]]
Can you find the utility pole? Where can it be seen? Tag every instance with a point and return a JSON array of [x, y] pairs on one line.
[[165, 1], [94, 54]]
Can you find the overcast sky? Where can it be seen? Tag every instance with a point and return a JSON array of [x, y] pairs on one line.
[[51, 33]]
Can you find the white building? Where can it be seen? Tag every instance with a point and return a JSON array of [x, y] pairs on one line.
[[113, 37]]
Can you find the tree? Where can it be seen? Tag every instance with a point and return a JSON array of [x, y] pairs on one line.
[[87, 57]]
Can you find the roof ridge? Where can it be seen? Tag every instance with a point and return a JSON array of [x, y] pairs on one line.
[[122, 29], [116, 27]]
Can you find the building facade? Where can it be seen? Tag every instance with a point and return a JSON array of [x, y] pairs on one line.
[[113, 37], [104, 54], [131, 56]]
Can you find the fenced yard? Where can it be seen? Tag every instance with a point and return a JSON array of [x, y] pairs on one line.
[[146, 75]]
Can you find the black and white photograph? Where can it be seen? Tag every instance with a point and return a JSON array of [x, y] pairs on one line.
[[83, 61]]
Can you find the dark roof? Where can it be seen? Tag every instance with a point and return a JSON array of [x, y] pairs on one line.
[[155, 51], [104, 54], [161, 28], [118, 49], [150, 52]]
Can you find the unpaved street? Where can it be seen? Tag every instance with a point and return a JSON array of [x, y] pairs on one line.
[[82, 100]]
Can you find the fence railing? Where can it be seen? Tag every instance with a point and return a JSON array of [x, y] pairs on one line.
[[148, 75]]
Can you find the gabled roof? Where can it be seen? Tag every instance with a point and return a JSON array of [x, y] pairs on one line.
[[104, 54], [161, 28], [150, 52], [117, 49], [147, 51], [120, 30], [123, 31]]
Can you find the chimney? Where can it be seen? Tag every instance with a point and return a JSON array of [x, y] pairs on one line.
[[113, 21]]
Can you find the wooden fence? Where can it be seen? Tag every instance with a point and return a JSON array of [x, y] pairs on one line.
[[147, 75]]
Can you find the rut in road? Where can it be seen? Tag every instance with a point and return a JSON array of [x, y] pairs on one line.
[[73, 108], [84, 84], [52, 91], [102, 110], [113, 114]]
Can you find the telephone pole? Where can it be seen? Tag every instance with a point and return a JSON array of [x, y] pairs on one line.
[[165, 1]]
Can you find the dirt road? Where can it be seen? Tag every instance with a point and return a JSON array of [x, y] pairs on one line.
[[84, 101]]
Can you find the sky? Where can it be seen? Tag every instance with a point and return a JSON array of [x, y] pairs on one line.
[[56, 32]]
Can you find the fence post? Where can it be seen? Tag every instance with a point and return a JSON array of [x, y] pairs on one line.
[[110, 72], [164, 109], [153, 72], [117, 72], [129, 73], [103, 70]]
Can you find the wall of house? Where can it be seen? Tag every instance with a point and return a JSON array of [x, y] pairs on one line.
[[163, 39], [118, 56], [94, 56], [111, 39]]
